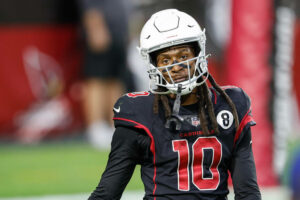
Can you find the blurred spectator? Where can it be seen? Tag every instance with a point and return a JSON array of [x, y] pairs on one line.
[[105, 25]]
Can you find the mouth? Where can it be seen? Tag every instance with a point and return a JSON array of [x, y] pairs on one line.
[[179, 79]]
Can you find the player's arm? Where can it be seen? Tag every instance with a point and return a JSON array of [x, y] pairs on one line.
[[124, 155], [243, 170]]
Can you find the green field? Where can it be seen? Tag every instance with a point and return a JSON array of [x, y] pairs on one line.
[[53, 168], [72, 168]]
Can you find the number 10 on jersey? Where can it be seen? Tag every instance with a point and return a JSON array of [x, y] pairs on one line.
[[197, 163]]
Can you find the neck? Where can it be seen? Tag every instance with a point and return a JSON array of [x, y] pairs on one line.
[[188, 99]]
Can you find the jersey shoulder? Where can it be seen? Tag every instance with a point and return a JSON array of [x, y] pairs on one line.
[[134, 107], [238, 96], [240, 99], [243, 106]]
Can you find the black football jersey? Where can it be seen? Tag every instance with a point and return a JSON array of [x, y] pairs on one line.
[[184, 163]]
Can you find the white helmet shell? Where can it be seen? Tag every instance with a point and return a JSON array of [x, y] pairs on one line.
[[168, 28]]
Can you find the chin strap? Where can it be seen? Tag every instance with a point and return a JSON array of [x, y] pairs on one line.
[[175, 117]]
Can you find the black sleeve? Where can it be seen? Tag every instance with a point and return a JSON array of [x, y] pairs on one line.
[[243, 170], [125, 154]]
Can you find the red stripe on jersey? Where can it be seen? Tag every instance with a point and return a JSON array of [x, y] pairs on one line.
[[215, 95], [246, 119], [152, 146], [228, 87]]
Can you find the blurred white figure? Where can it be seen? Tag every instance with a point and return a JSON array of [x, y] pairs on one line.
[[43, 118], [51, 111]]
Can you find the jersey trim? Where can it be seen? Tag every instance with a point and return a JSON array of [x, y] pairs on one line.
[[246, 119], [228, 87], [215, 95], [152, 146]]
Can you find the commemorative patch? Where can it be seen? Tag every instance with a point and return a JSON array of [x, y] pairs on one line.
[[225, 119]]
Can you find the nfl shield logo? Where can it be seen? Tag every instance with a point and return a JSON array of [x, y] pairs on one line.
[[195, 121]]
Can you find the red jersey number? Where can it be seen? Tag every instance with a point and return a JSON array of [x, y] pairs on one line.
[[198, 147], [137, 94]]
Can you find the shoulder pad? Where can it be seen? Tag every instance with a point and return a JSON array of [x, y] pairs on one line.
[[241, 100], [132, 107]]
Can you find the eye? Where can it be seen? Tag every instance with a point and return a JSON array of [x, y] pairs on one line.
[[165, 61], [183, 57]]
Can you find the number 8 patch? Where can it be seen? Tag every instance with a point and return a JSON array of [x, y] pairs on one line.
[[225, 119]]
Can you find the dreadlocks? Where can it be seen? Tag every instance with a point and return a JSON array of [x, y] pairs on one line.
[[205, 106]]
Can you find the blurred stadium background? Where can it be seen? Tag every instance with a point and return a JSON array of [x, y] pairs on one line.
[[44, 153]]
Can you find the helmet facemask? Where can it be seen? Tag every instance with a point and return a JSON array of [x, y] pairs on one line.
[[169, 28], [161, 81]]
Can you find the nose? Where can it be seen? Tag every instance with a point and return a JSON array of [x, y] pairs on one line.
[[176, 68]]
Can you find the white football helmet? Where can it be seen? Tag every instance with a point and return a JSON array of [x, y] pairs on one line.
[[168, 28]]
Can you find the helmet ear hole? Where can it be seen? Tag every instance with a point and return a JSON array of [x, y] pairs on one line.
[[153, 57]]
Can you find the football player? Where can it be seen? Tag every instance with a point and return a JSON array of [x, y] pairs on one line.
[[186, 136]]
